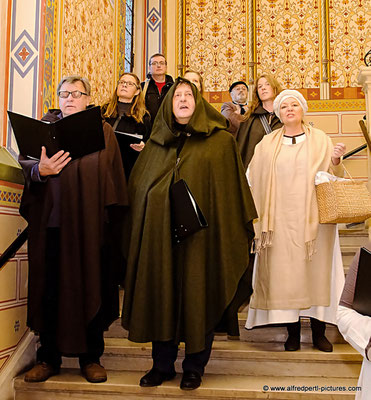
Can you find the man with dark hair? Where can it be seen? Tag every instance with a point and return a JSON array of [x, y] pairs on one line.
[[235, 110], [157, 84], [71, 208]]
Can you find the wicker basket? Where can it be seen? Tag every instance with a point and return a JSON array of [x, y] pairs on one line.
[[343, 202]]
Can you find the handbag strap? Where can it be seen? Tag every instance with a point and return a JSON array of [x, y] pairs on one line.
[[181, 142], [118, 119], [145, 87], [266, 126]]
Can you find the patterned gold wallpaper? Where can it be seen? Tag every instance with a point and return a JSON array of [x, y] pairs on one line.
[[288, 40], [88, 44], [350, 39], [216, 41]]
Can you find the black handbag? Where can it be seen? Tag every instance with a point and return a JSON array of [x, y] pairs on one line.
[[186, 216]]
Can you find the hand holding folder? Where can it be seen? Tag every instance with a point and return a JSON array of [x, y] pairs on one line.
[[79, 134]]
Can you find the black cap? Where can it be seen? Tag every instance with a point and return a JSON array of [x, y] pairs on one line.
[[238, 83]]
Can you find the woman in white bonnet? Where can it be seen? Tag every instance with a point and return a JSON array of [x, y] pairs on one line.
[[299, 270]]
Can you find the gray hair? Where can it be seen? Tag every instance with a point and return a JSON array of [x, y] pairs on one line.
[[73, 79]]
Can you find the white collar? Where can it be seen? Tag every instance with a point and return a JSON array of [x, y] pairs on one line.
[[290, 140]]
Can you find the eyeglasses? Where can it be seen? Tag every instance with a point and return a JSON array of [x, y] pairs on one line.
[[157, 63], [126, 83], [76, 94]]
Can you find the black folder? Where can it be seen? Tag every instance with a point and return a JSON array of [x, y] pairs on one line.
[[186, 216], [79, 134], [362, 293]]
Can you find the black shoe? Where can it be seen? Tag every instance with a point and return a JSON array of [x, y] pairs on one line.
[[322, 344], [293, 341], [155, 378], [191, 380], [292, 344], [318, 335]]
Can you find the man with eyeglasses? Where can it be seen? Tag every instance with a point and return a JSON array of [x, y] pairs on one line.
[[157, 84], [70, 207]]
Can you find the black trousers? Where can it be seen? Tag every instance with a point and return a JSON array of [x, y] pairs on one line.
[[164, 355], [48, 351]]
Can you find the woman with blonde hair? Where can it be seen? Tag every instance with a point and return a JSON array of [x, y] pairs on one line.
[[127, 114], [196, 78], [260, 120]]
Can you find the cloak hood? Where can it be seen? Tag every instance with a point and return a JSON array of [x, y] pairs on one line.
[[205, 120]]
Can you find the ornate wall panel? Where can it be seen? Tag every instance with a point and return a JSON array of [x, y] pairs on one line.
[[121, 37], [215, 41], [350, 39], [49, 84], [23, 69], [288, 41], [154, 30], [88, 44]]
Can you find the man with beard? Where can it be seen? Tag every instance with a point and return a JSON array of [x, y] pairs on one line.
[[235, 110]]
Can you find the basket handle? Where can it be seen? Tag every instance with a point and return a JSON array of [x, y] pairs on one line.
[[350, 176]]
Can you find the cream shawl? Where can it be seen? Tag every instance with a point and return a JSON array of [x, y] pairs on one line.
[[263, 184]]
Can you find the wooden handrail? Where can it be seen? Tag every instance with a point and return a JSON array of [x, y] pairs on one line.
[[354, 151], [365, 133], [13, 248]]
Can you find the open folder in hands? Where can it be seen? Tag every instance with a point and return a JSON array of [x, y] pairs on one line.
[[79, 134]]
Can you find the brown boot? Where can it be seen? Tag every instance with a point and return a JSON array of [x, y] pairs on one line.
[[94, 373], [293, 341], [318, 335], [41, 372]]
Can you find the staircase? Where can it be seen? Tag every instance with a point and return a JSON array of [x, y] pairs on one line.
[[253, 367]]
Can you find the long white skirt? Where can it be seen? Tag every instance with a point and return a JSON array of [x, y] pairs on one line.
[[256, 317]]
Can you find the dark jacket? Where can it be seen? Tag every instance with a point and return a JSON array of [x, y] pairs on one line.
[[129, 125], [89, 188], [180, 293], [251, 132], [154, 98]]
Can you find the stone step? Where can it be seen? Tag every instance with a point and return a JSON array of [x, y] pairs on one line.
[[124, 385], [241, 358], [353, 237], [262, 335]]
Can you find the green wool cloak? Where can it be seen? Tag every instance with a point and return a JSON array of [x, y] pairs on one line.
[[180, 293]]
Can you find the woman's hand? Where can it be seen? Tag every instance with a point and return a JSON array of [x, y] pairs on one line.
[[338, 152], [137, 147]]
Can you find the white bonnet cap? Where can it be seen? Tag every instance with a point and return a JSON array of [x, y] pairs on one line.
[[285, 94]]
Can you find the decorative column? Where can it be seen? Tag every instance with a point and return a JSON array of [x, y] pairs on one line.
[[3, 68], [180, 26], [364, 79], [325, 62], [251, 47], [154, 29], [24, 73]]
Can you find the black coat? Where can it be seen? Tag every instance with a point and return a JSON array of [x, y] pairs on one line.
[[251, 132], [90, 188], [181, 292], [129, 125], [154, 98]]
